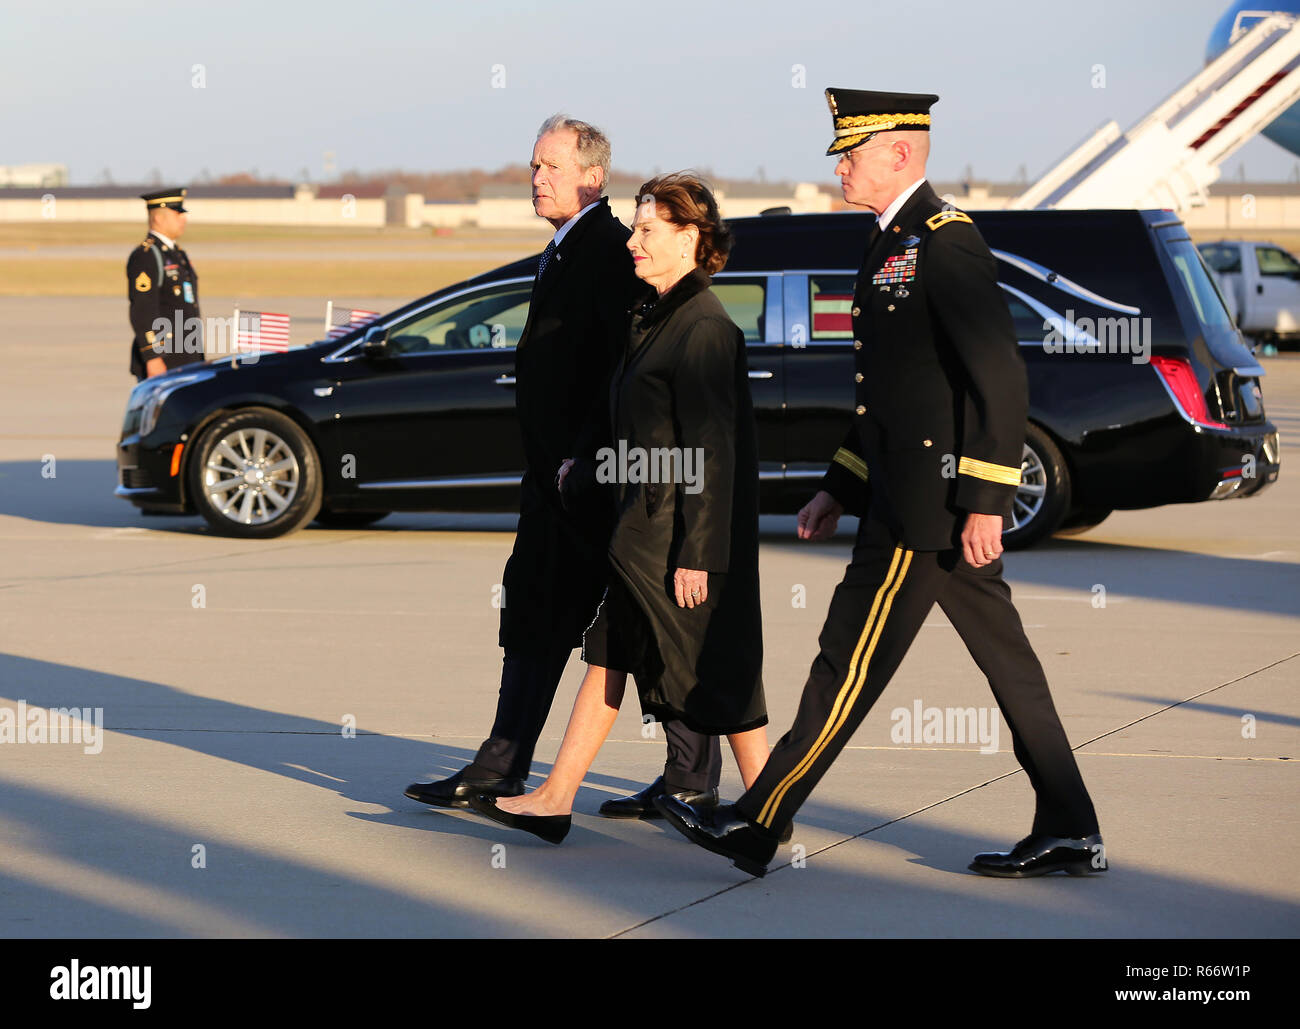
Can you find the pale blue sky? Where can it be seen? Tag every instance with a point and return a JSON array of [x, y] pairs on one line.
[[410, 85]]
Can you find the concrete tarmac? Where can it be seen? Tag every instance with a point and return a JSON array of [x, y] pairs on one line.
[[229, 796]]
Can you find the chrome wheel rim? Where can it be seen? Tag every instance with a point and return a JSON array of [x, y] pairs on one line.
[[1032, 490], [251, 476]]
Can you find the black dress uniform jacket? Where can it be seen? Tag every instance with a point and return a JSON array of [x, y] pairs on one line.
[[684, 383], [162, 284], [577, 324], [942, 395]]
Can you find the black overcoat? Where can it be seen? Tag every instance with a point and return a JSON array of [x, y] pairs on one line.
[[683, 383], [577, 327]]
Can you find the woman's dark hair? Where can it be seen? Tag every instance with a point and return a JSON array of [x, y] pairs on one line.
[[683, 199]]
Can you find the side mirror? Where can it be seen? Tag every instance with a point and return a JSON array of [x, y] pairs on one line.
[[375, 342]]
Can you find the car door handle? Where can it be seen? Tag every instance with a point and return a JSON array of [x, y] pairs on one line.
[[760, 375], [1259, 288], [504, 380]]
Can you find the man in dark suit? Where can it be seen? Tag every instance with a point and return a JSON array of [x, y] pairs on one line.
[[578, 323], [931, 465], [162, 289]]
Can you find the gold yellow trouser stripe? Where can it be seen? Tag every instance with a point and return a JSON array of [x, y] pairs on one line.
[[851, 686]]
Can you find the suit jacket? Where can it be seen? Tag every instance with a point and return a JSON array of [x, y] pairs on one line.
[[577, 326], [162, 284], [942, 395]]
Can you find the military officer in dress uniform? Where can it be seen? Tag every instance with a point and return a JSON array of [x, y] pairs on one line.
[[930, 465], [162, 286]]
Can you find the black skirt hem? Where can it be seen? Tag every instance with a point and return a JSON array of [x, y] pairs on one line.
[[664, 713]]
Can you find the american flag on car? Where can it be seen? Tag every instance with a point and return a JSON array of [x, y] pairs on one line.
[[262, 330], [341, 321]]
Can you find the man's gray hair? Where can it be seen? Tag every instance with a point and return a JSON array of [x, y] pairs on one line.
[[593, 145]]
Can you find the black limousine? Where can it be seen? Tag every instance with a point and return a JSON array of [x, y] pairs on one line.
[[1141, 390]]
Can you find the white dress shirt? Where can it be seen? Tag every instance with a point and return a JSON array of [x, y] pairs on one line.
[[887, 215], [562, 231]]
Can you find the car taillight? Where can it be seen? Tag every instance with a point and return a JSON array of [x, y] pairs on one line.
[[1180, 380]]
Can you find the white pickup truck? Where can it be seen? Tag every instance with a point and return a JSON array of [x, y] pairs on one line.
[[1261, 284]]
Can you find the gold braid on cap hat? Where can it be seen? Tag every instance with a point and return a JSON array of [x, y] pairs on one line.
[[854, 124]]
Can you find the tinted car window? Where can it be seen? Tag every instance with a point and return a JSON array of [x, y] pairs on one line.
[[830, 299], [1210, 311], [1029, 323], [492, 319], [1273, 261], [745, 301], [1225, 260]]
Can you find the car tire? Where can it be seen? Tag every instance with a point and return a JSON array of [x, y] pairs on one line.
[[1081, 519], [1043, 497], [348, 519], [255, 474]]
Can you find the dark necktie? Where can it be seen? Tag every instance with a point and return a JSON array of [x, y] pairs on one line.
[[547, 254], [874, 237]]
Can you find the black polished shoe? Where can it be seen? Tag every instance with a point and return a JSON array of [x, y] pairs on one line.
[[551, 828], [642, 805], [1039, 854], [722, 831], [456, 790]]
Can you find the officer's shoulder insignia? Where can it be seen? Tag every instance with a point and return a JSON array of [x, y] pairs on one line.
[[946, 217], [143, 282], [146, 243]]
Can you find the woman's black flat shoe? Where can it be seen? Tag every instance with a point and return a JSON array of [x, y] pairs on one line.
[[551, 828]]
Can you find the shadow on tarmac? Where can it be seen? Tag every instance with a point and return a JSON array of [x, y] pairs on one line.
[[81, 493], [1177, 576], [1235, 713], [244, 886]]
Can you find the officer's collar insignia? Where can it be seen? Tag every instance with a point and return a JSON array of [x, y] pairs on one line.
[[946, 218]]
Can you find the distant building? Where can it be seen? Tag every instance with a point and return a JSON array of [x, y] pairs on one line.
[[37, 176]]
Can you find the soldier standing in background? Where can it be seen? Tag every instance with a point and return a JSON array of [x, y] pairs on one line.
[[161, 285]]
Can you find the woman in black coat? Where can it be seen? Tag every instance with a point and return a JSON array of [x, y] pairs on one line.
[[681, 612]]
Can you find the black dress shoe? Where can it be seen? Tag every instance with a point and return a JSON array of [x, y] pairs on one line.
[[642, 805], [1039, 854], [456, 790], [551, 828], [722, 831]]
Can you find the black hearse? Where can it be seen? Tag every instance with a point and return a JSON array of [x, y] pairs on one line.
[[1141, 391]]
